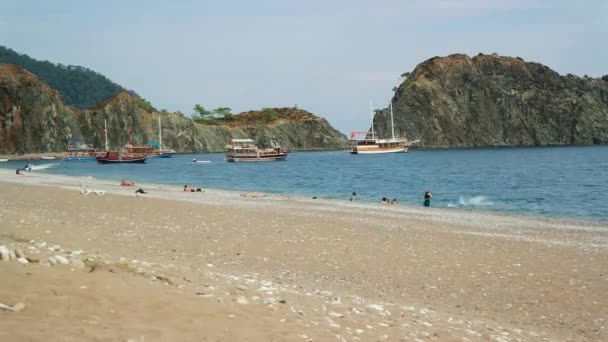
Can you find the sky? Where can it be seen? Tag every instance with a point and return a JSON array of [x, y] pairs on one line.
[[325, 56]]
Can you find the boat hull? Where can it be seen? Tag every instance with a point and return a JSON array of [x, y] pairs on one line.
[[102, 160], [379, 150], [255, 158]]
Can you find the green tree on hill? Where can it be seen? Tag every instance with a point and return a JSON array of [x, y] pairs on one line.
[[222, 112], [270, 115], [200, 113], [145, 105]]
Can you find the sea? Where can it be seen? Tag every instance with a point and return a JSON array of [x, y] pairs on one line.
[[567, 182]]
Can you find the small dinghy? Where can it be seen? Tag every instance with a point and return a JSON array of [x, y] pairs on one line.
[[195, 161]]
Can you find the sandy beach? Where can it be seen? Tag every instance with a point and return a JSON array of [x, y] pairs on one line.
[[216, 266]]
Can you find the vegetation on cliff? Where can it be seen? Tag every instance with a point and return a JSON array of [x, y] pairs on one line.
[[491, 100], [79, 87]]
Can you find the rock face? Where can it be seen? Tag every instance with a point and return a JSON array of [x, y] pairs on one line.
[[490, 100], [34, 119]]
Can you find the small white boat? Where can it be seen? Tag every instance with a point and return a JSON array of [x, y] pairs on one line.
[[3, 160], [40, 167], [195, 161], [48, 157]]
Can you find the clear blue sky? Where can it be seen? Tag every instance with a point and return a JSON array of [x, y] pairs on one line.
[[326, 56]]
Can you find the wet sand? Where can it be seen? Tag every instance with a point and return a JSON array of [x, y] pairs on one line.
[[216, 266]]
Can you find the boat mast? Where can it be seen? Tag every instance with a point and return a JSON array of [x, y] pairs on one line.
[[160, 135], [392, 124], [371, 108], [105, 125]]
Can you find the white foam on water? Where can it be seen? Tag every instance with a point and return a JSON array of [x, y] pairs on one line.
[[473, 201]]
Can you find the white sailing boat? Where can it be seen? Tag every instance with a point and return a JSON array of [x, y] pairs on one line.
[[370, 144], [162, 152]]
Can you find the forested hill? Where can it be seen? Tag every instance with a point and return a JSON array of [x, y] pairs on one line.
[[79, 87]]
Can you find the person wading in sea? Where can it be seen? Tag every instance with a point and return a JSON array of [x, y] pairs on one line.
[[427, 198]]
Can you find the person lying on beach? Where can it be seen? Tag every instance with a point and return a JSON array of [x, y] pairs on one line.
[[126, 183], [191, 189], [140, 191]]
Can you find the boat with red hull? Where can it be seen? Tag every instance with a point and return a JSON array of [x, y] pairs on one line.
[[114, 157]]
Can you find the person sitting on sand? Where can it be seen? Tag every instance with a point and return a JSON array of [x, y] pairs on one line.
[[385, 201], [18, 171], [394, 201], [353, 197], [126, 183]]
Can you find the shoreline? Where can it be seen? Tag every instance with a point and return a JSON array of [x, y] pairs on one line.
[[175, 192], [284, 268], [67, 180]]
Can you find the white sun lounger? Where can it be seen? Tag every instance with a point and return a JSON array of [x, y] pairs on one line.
[[86, 191]]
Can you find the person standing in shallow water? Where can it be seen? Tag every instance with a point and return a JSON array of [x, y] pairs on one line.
[[427, 198]]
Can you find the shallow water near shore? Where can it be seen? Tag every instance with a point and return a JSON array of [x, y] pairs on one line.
[[551, 181]]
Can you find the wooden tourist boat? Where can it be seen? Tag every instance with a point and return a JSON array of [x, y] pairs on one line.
[[80, 151], [152, 149], [116, 157], [370, 144], [245, 150]]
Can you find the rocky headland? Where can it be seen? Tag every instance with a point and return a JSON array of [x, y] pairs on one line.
[[33, 118], [491, 100]]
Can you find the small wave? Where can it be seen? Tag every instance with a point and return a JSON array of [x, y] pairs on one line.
[[474, 201]]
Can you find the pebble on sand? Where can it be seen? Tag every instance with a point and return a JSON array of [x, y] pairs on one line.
[[77, 263], [4, 253], [19, 253], [15, 308], [61, 259], [52, 260], [32, 258]]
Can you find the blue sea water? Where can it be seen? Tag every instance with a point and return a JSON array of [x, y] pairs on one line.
[[551, 181]]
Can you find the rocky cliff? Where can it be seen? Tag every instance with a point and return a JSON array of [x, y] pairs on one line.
[[490, 100], [34, 119]]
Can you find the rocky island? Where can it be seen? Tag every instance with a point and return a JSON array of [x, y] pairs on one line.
[[492, 100], [33, 118]]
